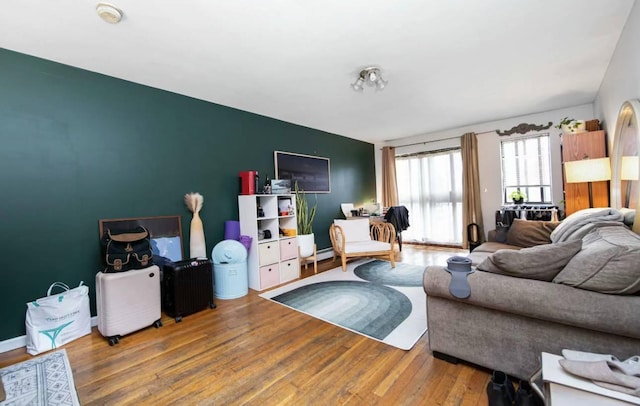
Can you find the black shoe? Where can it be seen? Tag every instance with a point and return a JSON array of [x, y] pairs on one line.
[[500, 390], [525, 395]]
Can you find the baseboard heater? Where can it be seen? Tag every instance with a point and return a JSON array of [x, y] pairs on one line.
[[325, 253]]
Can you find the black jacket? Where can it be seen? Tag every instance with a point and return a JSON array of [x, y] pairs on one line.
[[399, 217]]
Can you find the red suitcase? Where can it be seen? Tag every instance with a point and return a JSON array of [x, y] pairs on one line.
[[128, 301]]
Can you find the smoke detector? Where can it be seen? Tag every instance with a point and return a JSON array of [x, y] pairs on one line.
[[109, 13]]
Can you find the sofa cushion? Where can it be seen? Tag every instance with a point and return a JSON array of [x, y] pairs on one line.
[[609, 262], [354, 230], [526, 233], [486, 249], [477, 257], [492, 246], [542, 262]]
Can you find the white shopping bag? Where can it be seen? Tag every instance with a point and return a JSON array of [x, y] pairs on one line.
[[58, 318]]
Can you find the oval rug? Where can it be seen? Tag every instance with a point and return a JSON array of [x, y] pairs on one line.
[[379, 271]]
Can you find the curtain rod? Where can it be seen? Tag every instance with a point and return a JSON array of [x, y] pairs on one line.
[[440, 139]]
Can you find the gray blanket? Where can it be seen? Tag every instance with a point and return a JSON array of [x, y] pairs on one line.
[[584, 221]]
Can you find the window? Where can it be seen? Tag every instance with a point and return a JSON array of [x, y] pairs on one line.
[[430, 186], [526, 166]]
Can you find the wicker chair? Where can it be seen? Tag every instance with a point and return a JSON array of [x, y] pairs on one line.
[[356, 238]]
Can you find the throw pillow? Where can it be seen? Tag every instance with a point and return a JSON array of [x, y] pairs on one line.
[[608, 263], [542, 262], [524, 233]]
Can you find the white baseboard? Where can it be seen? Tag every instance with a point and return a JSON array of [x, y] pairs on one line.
[[17, 342]]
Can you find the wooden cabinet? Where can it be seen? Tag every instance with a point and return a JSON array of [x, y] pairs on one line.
[[273, 258], [577, 146]]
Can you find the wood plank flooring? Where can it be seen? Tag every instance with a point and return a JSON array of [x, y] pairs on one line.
[[252, 351]]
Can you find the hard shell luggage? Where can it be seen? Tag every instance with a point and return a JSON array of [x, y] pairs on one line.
[[128, 301], [187, 287]]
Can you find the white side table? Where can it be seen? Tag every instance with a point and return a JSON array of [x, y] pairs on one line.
[[562, 388]]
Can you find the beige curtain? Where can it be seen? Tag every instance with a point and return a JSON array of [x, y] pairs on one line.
[[471, 206], [389, 184]]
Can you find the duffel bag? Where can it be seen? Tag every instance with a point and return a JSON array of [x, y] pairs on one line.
[[127, 249]]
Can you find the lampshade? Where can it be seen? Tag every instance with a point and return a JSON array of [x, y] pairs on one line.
[[630, 168], [588, 170]]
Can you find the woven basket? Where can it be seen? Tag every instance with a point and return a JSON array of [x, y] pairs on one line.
[[592, 125]]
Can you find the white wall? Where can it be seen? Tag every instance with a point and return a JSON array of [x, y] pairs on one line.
[[622, 79], [489, 152], [621, 82]]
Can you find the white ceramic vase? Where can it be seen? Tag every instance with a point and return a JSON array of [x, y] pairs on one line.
[[305, 244], [197, 246]]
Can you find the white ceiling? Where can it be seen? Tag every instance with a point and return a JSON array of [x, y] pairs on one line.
[[449, 63]]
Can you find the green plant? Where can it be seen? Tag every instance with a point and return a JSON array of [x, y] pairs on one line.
[[570, 123], [518, 195], [305, 213]]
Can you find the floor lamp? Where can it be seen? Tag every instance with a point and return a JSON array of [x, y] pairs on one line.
[[588, 171], [630, 166]]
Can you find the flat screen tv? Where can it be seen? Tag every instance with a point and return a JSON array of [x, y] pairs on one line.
[[311, 172]]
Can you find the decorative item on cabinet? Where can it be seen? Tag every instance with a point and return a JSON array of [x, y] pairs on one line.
[[267, 186], [571, 125], [592, 125]]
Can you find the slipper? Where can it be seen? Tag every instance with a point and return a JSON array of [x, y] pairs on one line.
[[574, 355], [632, 360], [618, 388], [629, 366], [601, 371]]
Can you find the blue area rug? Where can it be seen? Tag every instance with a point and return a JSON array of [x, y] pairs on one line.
[[394, 315], [381, 272], [374, 310]]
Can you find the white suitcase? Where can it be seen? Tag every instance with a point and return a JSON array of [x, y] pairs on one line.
[[127, 301]]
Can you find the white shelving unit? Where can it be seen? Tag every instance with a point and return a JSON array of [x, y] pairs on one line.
[[273, 260]]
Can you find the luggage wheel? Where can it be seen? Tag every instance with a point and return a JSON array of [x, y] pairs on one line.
[[178, 319], [114, 340], [212, 305], [157, 323]]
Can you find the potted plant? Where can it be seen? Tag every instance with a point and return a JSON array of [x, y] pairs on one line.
[[571, 125], [305, 216], [518, 197]]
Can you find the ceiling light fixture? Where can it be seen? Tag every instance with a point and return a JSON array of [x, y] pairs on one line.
[[109, 13], [370, 76]]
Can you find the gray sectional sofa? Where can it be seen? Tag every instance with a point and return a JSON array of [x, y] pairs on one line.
[[543, 288]]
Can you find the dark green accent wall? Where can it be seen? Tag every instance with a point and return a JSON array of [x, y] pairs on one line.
[[77, 146]]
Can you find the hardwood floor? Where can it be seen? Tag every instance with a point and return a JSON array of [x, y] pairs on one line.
[[252, 351]]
